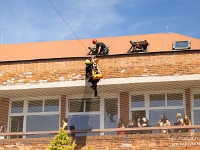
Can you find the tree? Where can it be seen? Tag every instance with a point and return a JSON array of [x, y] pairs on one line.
[[62, 142]]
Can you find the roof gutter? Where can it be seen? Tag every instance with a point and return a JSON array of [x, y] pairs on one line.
[[110, 55]]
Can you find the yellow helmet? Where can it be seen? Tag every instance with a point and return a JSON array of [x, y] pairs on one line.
[[87, 61]]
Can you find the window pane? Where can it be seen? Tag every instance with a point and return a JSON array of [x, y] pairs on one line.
[[181, 44], [137, 101], [84, 122], [76, 105], [17, 106], [196, 119], [157, 100], [175, 99], [197, 100], [51, 105], [154, 115], [110, 114], [92, 105], [16, 125], [42, 123], [138, 114], [35, 106]]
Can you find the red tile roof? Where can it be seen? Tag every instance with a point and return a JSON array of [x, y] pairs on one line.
[[74, 48]]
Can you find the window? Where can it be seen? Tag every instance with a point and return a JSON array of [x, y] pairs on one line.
[[84, 114], [40, 115], [138, 46], [42, 123], [154, 104], [197, 100], [196, 110], [181, 45], [35, 106], [16, 125], [89, 121], [17, 106], [174, 99], [138, 107], [84, 105], [110, 114], [137, 101], [166, 103], [76, 106], [155, 114], [157, 100], [92, 105], [138, 114], [196, 117], [51, 105], [168, 99]]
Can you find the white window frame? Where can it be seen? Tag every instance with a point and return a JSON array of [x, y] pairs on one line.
[[139, 108], [147, 101], [181, 48], [192, 108], [25, 109], [100, 112]]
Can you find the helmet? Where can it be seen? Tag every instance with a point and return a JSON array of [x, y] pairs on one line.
[[94, 41], [87, 61]]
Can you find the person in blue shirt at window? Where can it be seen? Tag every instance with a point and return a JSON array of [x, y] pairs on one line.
[[178, 122]]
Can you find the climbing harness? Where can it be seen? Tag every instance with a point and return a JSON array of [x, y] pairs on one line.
[[96, 72]]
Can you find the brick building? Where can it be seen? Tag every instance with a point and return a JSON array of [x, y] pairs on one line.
[[43, 82]]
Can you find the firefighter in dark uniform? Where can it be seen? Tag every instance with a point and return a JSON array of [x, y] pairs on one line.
[[101, 48], [89, 78]]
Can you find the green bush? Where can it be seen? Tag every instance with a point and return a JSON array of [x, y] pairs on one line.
[[62, 142], [89, 148]]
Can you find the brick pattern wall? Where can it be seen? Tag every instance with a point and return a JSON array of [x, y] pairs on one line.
[[188, 103], [4, 103], [63, 108], [124, 107], [152, 64], [114, 142]]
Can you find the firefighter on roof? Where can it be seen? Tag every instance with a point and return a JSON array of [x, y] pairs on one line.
[[101, 48]]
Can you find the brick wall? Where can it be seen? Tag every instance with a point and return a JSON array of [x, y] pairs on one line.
[[114, 142], [42, 71], [4, 103], [188, 103], [63, 108], [124, 107]]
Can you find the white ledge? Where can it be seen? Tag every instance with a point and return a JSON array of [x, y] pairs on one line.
[[146, 79]]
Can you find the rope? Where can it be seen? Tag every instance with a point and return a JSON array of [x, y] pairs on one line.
[[67, 24]]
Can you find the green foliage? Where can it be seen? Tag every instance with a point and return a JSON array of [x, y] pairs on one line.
[[89, 148], [62, 142]]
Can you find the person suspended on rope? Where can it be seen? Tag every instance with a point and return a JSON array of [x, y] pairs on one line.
[[89, 77], [101, 48]]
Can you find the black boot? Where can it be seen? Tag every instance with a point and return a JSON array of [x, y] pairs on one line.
[[96, 94]]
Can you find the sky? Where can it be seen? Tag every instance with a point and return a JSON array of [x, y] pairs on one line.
[[23, 21]]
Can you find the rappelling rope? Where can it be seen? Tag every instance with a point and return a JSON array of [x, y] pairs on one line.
[[67, 24]]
